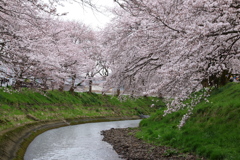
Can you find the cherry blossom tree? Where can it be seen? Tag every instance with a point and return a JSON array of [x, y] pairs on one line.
[[170, 47], [97, 67], [76, 59], [206, 30], [34, 44], [21, 24]]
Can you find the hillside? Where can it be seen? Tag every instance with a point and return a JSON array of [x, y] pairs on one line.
[[18, 108], [212, 131]]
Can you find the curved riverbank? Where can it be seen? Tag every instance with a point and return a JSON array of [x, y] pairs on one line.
[[129, 147], [15, 141], [26, 113]]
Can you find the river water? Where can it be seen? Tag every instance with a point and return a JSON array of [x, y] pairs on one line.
[[78, 142]]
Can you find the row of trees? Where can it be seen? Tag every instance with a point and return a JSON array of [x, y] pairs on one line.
[[35, 44], [170, 47], [152, 46]]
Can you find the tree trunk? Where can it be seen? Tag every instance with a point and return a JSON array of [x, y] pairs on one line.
[[45, 87], [61, 87], [132, 94], [52, 85], [17, 84], [90, 86], [216, 81], [72, 88], [118, 92]]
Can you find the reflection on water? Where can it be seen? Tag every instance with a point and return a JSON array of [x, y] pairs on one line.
[[78, 142]]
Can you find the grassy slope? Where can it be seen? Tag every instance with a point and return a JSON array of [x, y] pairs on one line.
[[213, 131], [17, 108]]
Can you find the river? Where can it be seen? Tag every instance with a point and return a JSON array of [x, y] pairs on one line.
[[77, 142]]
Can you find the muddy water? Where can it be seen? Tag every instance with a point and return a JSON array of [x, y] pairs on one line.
[[78, 142]]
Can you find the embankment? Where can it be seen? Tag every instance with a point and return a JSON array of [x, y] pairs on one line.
[[212, 131], [25, 114], [15, 141]]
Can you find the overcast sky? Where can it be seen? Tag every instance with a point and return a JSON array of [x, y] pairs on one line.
[[88, 15]]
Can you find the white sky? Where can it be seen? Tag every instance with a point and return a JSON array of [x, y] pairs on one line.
[[87, 15]]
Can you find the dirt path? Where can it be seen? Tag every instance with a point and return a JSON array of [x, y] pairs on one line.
[[129, 147]]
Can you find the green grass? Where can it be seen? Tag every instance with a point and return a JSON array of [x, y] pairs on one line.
[[213, 131], [25, 106]]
